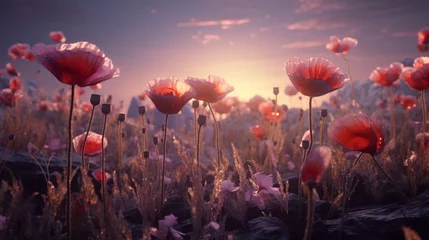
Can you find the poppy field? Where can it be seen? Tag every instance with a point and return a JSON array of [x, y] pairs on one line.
[[189, 161]]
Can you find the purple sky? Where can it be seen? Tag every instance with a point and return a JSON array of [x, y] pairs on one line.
[[244, 41]]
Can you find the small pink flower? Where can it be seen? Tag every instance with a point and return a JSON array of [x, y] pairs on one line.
[[420, 62], [57, 36], [387, 76], [165, 227], [211, 89], [92, 146], [98, 175], [228, 186], [265, 183], [8, 97], [341, 46], [214, 225], [15, 84], [18, 50], [316, 164], [423, 36], [11, 70]]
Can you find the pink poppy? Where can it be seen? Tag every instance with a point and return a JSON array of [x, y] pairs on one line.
[[341, 46], [420, 62], [57, 36], [254, 103], [222, 106], [92, 146], [98, 175], [211, 89], [408, 102], [8, 97], [417, 79], [315, 77], [315, 164], [258, 132], [270, 113], [18, 50], [11, 70], [423, 36], [265, 183], [387, 76], [165, 227], [169, 95], [228, 186], [81, 63], [358, 132], [15, 84], [290, 91]]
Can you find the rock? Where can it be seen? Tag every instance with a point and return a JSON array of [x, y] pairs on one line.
[[265, 228]]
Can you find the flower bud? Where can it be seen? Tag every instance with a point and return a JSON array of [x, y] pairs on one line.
[[311, 184], [95, 99], [142, 110], [305, 144], [105, 108], [11, 137], [195, 104], [146, 154], [155, 140], [205, 104], [276, 91], [201, 120], [144, 130], [121, 117], [123, 135], [324, 113]]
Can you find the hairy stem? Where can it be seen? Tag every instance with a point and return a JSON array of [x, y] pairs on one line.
[[424, 111], [197, 156], [392, 111], [310, 124], [310, 215], [69, 166], [196, 132], [85, 139], [163, 162], [351, 80], [216, 134], [103, 171]]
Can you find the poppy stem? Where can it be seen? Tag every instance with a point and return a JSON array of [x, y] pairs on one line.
[[198, 146], [120, 156], [351, 80], [392, 111], [322, 127], [144, 132], [310, 214], [163, 162], [357, 159], [424, 111], [310, 124], [196, 135], [86, 138], [103, 171], [217, 133], [69, 167], [389, 178]]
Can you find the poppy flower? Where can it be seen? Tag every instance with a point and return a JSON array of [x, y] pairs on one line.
[[358, 132], [271, 113], [423, 138], [222, 106], [420, 62], [315, 77], [81, 63], [15, 84], [315, 164], [18, 50], [335, 101], [387, 76], [169, 95], [11, 70], [341, 46], [228, 186], [233, 101], [29, 56], [98, 175], [423, 47], [408, 102], [423, 36], [8, 97], [253, 103], [265, 183], [96, 86], [165, 227], [209, 90], [86, 106], [258, 132], [417, 77], [290, 91], [92, 146], [57, 36]]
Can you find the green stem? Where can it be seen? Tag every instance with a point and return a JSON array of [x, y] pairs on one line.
[[103, 171], [163, 161], [144, 134], [86, 138], [69, 166], [310, 215], [310, 124], [216, 134], [351, 80], [424, 111]]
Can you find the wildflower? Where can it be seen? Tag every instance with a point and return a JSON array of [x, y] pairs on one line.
[[258, 132], [165, 227], [222, 106], [98, 175], [8, 97], [417, 77], [11, 70], [211, 89], [57, 36], [228, 186], [15, 84], [408, 102], [18, 50], [271, 113], [387, 76], [341, 46], [92, 146], [265, 183], [315, 164]]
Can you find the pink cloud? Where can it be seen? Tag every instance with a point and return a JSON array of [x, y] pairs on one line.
[[319, 6], [224, 23], [153, 11], [315, 24], [404, 34], [208, 38], [304, 44]]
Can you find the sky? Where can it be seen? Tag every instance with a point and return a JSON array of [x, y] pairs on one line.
[[244, 41]]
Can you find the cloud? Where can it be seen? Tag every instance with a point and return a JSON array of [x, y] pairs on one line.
[[315, 24], [224, 24], [304, 44], [153, 11], [404, 34], [210, 38], [319, 6]]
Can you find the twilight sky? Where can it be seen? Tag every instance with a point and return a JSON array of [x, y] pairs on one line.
[[244, 41]]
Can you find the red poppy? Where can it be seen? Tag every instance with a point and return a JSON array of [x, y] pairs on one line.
[[18, 50], [397, 99], [341, 46], [11, 70], [423, 47], [29, 56], [211, 89], [15, 83], [315, 77], [423, 137], [258, 132], [96, 86], [81, 63], [269, 114], [387, 76], [57, 36], [86, 106], [423, 36], [315, 164], [8, 97], [420, 62], [358, 132], [92, 146], [408, 102], [417, 79], [222, 106], [233, 101], [98, 175], [169, 95], [290, 91], [254, 102]]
